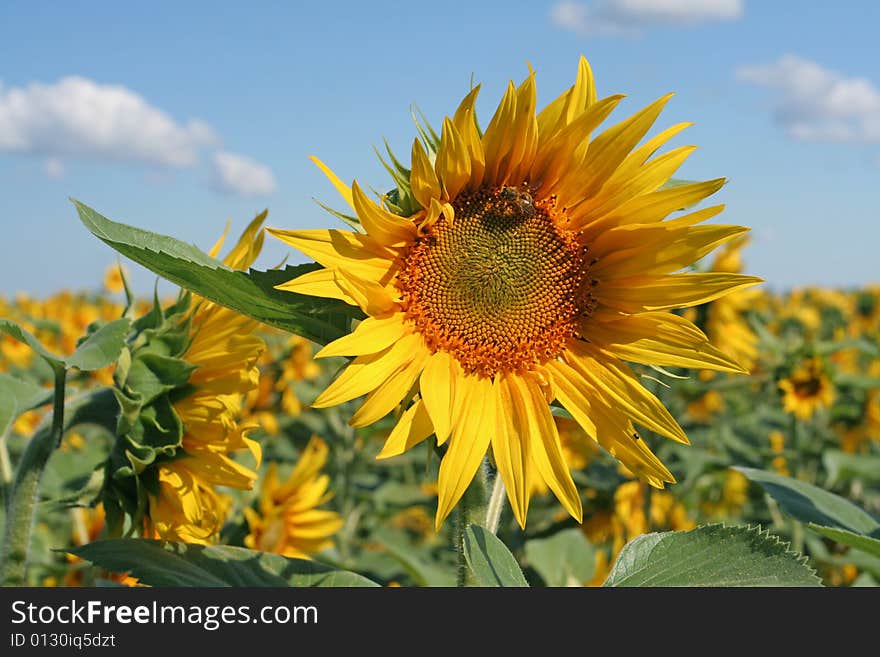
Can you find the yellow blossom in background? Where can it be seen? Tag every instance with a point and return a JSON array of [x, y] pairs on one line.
[[287, 520], [807, 390], [530, 262], [88, 526], [114, 277], [777, 446], [725, 322], [708, 405], [734, 495]]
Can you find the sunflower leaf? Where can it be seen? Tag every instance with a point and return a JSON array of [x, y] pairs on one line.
[[564, 559], [812, 504], [857, 541], [711, 555], [252, 294], [17, 397], [21, 334], [164, 563], [101, 348], [489, 559]]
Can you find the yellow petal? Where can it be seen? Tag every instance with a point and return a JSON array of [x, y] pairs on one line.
[[615, 380], [453, 164], [569, 105], [358, 254], [607, 151], [510, 448], [533, 415], [658, 339], [318, 283], [370, 336], [467, 447], [249, 244], [643, 293], [423, 178], [653, 249], [374, 299], [465, 121], [366, 373], [438, 392], [343, 189], [413, 427], [383, 226], [557, 156], [383, 399]]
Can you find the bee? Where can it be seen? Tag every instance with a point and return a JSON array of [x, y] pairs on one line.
[[519, 199]]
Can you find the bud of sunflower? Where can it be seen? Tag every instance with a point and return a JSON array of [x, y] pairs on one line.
[[179, 384]]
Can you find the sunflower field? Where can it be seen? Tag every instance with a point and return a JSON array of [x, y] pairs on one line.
[[532, 360]]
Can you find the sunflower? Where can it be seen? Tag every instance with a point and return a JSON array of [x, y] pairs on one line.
[[807, 390], [513, 267], [224, 351], [287, 520]]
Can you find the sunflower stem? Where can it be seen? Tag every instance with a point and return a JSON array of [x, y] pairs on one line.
[[23, 496], [495, 505]]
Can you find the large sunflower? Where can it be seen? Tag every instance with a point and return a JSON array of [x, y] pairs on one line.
[[518, 266]]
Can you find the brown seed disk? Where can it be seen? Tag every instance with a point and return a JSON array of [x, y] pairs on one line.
[[502, 287]]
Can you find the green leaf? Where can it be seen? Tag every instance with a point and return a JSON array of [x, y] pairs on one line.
[[163, 563], [252, 294], [857, 541], [843, 467], [489, 559], [711, 555], [565, 559], [13, 329], [424, 572], [101, 348], [152, 374], [17, 397], [809, 503]]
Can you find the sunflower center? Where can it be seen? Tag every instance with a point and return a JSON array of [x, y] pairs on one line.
[[806, 388], [501, 287]]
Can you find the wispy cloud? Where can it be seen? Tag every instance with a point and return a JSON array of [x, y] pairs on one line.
[[237, 174], [813, 103], [631, 16], [78, 118]]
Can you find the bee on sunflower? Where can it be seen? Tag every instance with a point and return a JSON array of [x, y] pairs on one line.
[[516, 267]]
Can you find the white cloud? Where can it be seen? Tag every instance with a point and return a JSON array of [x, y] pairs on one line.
[[80, 118], [816, 104], [53, 167], [627, 16], [236, 174]]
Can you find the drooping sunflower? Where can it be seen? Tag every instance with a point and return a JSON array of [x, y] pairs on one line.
[[518, 266], [224, 350]]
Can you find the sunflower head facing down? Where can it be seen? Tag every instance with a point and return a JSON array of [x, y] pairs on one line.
[[516, 267]]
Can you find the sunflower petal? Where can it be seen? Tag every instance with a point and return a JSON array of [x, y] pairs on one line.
[[467, 447], [437, 388], [423, 178], [383, 226], [318, 283], [343, 189], [510, 447], [371, 335], [366, 373], [413, 427], [533, 415], [614, 380], [465, 121], [453, 163], [358, 254], [643, 293], [658, 339], [390, 393]]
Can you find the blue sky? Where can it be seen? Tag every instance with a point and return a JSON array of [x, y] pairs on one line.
[[176, 116]]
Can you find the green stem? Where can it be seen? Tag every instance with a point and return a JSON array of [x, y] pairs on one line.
[[23, 497], [469, 508], [95, 407], [496, 504], [461, 522]]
